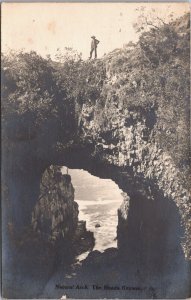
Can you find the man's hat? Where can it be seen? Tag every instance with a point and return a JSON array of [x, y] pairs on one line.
[[93, 36]]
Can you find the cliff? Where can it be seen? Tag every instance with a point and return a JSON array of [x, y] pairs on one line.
[[124, 117]]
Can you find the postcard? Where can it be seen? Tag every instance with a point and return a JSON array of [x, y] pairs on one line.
[[96, 150]]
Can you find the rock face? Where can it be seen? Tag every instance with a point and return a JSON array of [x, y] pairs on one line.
[[154, 219], [55, 215], [129, 145]]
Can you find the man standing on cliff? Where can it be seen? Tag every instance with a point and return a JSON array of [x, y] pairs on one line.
[[94, 44]]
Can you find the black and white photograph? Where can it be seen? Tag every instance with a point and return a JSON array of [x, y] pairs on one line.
[[95, 132]]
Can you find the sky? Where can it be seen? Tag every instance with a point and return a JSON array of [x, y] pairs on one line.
[[45, 27]]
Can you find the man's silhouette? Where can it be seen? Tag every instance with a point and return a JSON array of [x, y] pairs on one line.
[[94, 44]]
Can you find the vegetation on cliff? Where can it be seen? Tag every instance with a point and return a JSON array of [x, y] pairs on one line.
[[154, 73]]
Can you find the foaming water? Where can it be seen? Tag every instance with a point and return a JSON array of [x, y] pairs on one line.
[[101, 219], [98, 201]]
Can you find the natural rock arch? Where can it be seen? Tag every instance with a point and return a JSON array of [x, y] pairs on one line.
[[150, 222], [105, 117]]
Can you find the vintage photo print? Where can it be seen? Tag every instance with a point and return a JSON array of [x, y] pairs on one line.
[[96, 150]]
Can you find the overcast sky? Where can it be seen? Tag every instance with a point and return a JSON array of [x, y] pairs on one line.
[[45, 27]]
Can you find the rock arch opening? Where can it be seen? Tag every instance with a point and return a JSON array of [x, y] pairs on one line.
[[148, 241], [98, 200], [149, 226]]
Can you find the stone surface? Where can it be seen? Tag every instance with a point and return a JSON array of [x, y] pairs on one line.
[[55, 215]]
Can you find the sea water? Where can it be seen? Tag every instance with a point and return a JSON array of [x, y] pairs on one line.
[[98, 201]]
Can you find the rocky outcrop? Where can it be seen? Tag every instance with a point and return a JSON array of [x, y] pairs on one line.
[[55, 215], [54, 237]]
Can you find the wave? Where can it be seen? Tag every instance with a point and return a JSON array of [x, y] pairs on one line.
[[99, 201]]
